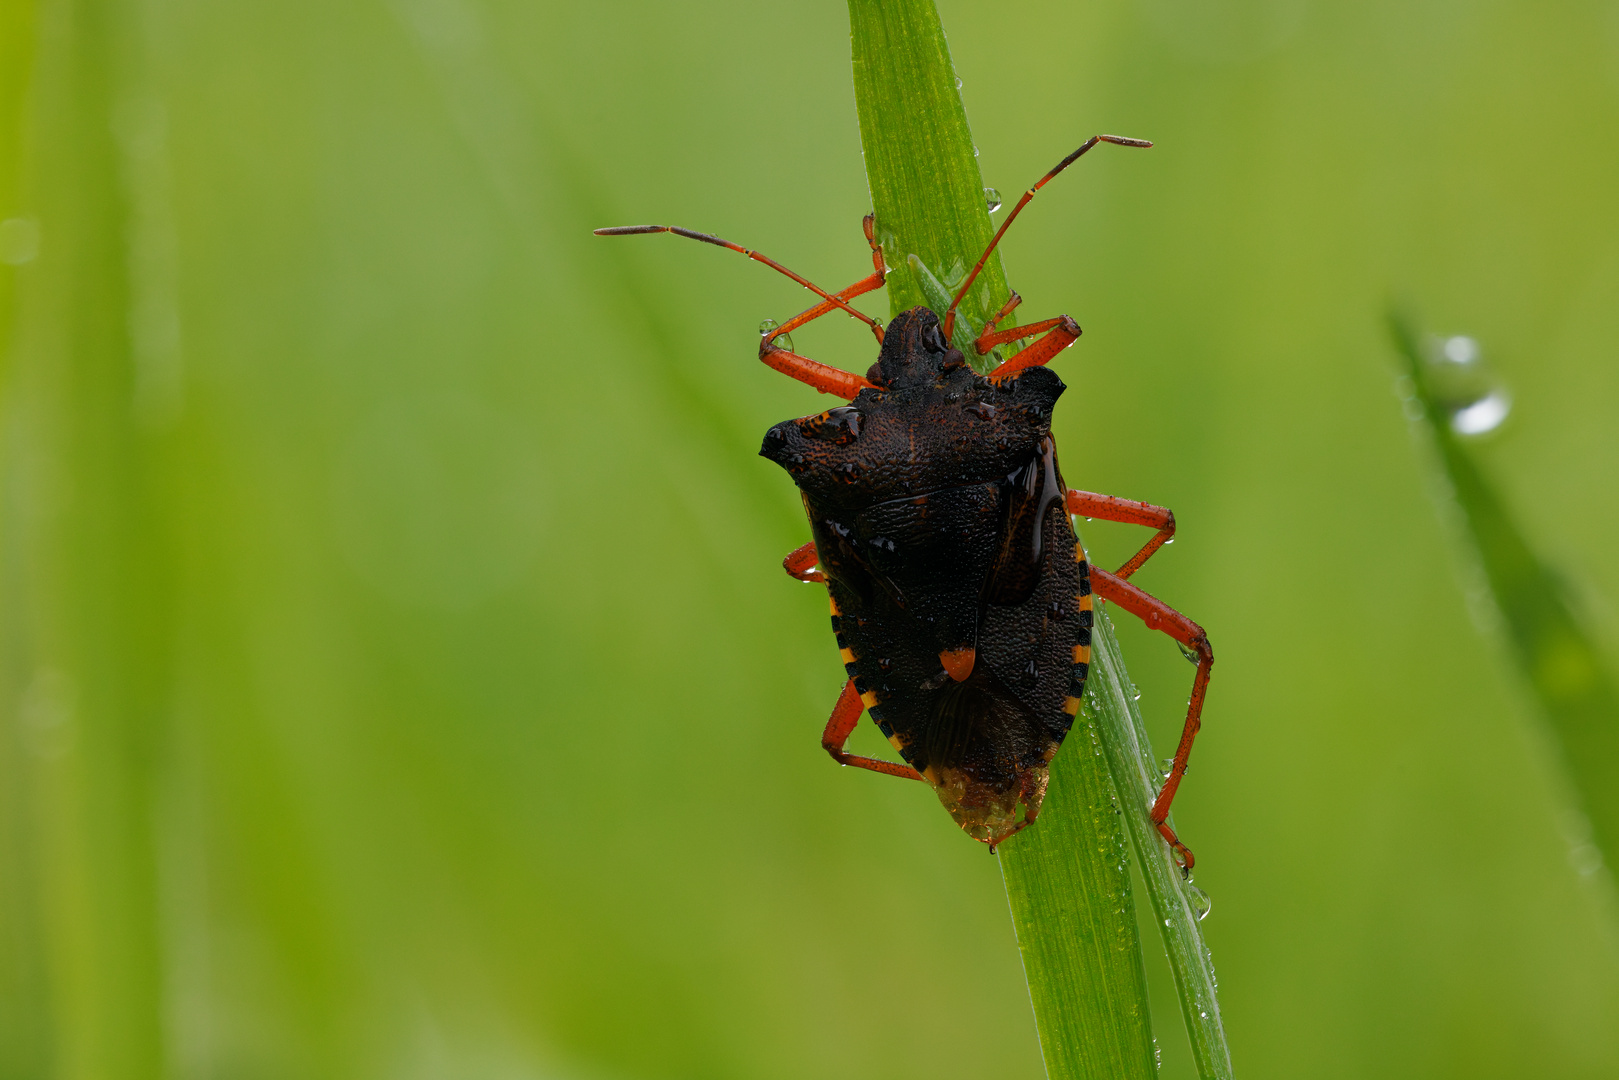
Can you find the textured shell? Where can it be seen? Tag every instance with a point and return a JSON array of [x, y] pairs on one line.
[[936, 508]]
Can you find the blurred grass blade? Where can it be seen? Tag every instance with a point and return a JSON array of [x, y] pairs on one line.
[[87, 597], [1067, 880], [1558, 658], [1110, 704]]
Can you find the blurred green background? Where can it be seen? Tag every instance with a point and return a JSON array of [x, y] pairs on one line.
[[398, 675]]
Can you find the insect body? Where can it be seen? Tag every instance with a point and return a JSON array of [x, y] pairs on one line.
[[960, 595]]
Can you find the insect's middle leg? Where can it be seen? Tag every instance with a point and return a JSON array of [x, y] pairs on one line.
[[845, 715], [1160, 616], [1111, 508], [800, 563]]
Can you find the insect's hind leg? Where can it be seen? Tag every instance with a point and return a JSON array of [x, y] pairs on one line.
[[845, 715], [1160, 616]]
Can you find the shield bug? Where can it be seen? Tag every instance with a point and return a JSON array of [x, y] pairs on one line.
[[961, 597]]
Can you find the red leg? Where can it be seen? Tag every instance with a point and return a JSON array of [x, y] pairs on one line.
[[1160, 616], [1108, 508], [826, 379], [1007, 308], [992, 337], [864, 285], [1062, 333], [801, 563], [845, 715]]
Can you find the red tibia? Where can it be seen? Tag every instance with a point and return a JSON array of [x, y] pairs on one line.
[[992, 337], [826, 379], [845, 715], [1160, 616], [864, 285], [800, 563], [1064, 332], [1007, 308], [1110, 508]]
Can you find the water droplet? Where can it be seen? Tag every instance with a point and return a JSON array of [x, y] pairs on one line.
[[1188, 652], [975, 151], [1460, 350], [992, 199], [1483, 415], [1199, 901], [1464, 388], [958, 82], [784, 341], [1165, 766]]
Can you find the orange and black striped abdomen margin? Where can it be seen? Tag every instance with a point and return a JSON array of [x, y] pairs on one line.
[[1082, 638], [868, 696]]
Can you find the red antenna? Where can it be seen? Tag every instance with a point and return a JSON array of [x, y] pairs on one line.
[[632, 230], [950, 315]]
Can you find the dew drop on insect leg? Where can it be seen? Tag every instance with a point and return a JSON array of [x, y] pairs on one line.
[[1188, 652], [992, 199], [785, 341]]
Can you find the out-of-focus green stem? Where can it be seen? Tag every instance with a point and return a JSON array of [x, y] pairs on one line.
[[1562, 665]]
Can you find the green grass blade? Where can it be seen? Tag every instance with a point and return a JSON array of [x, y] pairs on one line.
[[86, 599], [1558, 658], [1068, 884], [1067, 880], [926, 188], [1110, 704]]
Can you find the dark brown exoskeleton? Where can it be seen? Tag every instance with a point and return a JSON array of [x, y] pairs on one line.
[[960, 596]]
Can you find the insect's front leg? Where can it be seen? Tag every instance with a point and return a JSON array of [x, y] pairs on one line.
[[827, 379], [1160, 616], [1057, 335]]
